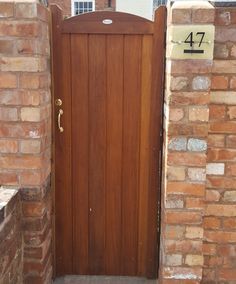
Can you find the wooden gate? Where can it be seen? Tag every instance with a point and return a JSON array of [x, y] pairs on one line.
[[108, 79]]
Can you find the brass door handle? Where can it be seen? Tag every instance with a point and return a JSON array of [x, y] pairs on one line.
[[60, 113]]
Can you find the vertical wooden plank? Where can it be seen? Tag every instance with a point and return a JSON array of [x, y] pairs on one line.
[[97, 152], [56, 23], [144, 151], [131, 132], [154, 193], [114, 152], [79, 63], [63, 188]]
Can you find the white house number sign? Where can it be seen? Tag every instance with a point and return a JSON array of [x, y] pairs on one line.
[[192, 42]]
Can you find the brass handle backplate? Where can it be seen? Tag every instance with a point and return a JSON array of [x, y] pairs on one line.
[[60, 113], [58, 102]]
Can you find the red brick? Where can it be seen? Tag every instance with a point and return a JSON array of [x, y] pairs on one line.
[[216, 140], [6, 10], [219, 82], [14, 162], [220, 237], [30, 178], [221, 51], [38, 252], [33, 209], [212, 195], [22, 130], [231, 112], [185, 188], [228, 250], [8, 178], [231, 170], [35, 226], [217, 112], [189, 98], [8, 114], [26, 10], [20, 97], [180, 83], [217, 155], [223, 17], [8, 80], [213, 261], [35, 267], [183, 246], [227, 274], [198, 114], [174, 232], [203, 16], [221, 182], [26, 46], [230, 223], [195, 203], [211, 223], [29, 81], [183, 217], [14, 28], [187, 159], [44, 14], [220, 66], [176, 114], [65, 6], [209, 249], [181, 16], [221, 210], [6, 46], [199, 130], [36, 231], [190, 67], [24, 64], [229, 262], [209, 276], [8, 146], [176, 173], [223, 127], [31, 146], [233, 83]]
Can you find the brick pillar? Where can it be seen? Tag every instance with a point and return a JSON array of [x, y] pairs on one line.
[[25, 131], [187, 100], [220, 217]]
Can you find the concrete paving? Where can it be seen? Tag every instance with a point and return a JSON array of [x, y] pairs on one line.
[[102, 280]]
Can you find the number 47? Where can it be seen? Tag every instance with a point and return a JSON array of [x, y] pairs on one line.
[[191, 41]]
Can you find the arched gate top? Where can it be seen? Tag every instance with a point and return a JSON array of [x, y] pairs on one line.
[[106, 22]]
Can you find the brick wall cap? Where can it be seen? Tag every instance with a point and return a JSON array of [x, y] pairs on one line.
[[6, 194], [6, 201], [20, 1], [202, 4]]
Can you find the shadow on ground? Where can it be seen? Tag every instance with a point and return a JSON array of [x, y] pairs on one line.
[[102, 280]]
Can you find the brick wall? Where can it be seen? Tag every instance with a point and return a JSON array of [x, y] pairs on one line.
[[65, 5], [220, 216], [103, 5], [199, 188], [187, 113], [11, 245], [25, 131]]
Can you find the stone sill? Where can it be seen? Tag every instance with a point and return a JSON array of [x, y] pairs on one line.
[[8, 199]]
